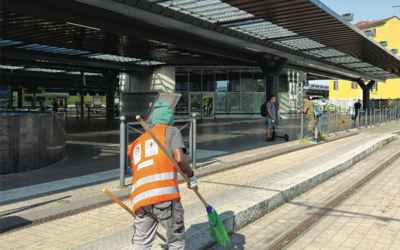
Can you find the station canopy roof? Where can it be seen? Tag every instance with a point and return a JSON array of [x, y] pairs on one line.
[[136, 35]]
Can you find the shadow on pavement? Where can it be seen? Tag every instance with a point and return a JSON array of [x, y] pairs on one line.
[[24, 208]]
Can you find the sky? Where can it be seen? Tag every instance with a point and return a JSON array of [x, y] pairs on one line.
[[363, 10]]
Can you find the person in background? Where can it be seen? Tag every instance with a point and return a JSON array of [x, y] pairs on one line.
[[270, 118], [357, 108], [55, 105], [312, 120]]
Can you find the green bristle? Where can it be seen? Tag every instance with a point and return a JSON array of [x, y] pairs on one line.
[[218, 233]]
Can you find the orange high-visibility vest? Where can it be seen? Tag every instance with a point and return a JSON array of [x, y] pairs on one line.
[[155, 178]]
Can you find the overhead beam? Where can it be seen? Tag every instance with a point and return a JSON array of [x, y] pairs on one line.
[[75, 62]]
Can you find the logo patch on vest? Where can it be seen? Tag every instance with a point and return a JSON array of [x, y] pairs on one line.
[[137, 154], [151, 148]]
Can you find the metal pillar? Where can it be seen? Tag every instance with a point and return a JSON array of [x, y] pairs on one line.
[[19, 97], [33, 98], [358, 120], [110, 76], [83, 97], [370, 116], [336, 127], [385, 115], [329, 121], [380, 116], [194, 134], [366, 118], [347, 120], [122, 155]]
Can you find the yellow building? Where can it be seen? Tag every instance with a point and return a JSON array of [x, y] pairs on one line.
[[384, 30]]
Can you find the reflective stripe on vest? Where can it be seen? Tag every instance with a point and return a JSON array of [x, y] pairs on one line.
[[153, 178], [155, 192]]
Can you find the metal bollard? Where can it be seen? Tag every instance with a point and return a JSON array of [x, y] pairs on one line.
[[336, 114], [329, 121], [302, 125], [194, 141], [390, 115], [385, 115], [380, 116], [122, 147], [191, 140], [347, 121], [370, 117], [358, 120], [366, 118]]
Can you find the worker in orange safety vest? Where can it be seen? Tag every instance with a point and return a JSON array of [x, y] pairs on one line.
[[155, 194]]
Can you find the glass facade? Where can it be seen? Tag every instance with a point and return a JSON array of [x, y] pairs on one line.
[[237, 90], [6, 101]]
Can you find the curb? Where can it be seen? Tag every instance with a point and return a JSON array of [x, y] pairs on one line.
[[239, 214]]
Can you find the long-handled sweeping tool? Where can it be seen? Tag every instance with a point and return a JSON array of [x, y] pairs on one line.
[[126, 208], [217, 228]]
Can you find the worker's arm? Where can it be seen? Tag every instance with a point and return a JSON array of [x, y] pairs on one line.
[[182, 161], [305, 110]]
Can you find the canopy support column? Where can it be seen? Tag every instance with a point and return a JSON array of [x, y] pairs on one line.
[[271, 73], [366, 92], [110, 76]]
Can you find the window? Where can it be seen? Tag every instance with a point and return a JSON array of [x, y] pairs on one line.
[[246, 78], [374, 33], [234, 80], [375, 87], [336, 85], [221, 77], [195, 79], [27, 98], [354, 85], [283, 83], [40, 99], [258, 81], [181, 79], [208, 81]]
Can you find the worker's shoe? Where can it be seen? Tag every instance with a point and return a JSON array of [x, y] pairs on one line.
[[315, 141], [270, 140]]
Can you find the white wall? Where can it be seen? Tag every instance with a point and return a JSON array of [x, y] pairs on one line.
[[138, 90], [163, 79]]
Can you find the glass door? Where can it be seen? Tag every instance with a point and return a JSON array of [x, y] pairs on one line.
[[195, 104], [208, 105]]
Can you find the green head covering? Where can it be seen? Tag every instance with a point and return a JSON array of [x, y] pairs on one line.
[[162, 114]]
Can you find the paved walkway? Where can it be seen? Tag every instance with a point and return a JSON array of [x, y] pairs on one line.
[[369, 219], [85, 228]]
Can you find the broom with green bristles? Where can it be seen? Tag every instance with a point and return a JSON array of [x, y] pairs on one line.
[[217, 228]]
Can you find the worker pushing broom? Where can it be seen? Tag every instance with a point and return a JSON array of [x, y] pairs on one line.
[[155, 194]]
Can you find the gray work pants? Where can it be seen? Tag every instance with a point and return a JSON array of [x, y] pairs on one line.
[[170, 215]]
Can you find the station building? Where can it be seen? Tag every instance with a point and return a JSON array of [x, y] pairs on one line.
[[210, 91], [387, 33]]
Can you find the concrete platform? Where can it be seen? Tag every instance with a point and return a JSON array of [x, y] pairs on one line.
[[244, 204]]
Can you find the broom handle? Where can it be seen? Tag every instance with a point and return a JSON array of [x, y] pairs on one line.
[[169, 157], [127, 209]]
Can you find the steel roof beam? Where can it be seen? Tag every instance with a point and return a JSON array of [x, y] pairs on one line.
[[79, 62]]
